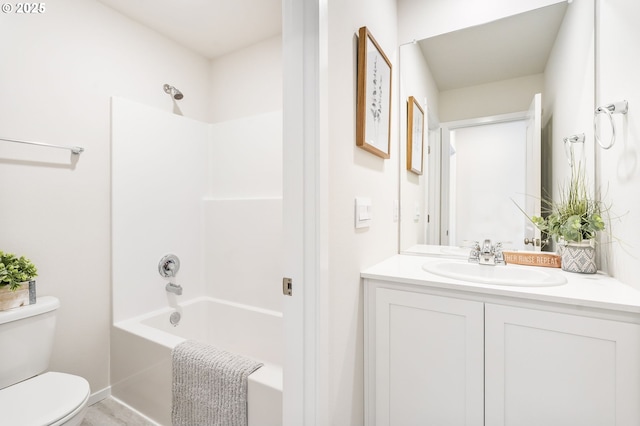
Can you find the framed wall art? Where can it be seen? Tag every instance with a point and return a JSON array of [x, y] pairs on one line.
[[373, 106], [415, 136]]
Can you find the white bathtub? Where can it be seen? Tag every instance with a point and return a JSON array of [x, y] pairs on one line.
[[141, 354]]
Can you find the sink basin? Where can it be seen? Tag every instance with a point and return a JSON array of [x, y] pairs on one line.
[[508, 275]]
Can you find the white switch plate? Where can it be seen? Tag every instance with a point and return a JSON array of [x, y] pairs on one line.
[[363, 212]]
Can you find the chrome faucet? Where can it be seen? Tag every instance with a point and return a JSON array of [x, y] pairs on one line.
[[474, 254], [168, 268], [173, 288], [498, 255], [487, 254]]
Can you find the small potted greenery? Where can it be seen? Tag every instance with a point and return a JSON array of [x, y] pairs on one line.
[[17, 287], [573, 222]]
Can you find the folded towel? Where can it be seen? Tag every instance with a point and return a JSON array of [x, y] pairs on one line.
[[209, 385]]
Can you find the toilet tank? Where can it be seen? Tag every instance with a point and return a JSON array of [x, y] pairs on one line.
[[26, 340]]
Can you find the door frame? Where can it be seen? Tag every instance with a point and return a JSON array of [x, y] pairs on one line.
[[446, 129], [305, 211]]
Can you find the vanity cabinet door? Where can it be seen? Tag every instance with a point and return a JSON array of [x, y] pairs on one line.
[[428, 360], [547, 368]]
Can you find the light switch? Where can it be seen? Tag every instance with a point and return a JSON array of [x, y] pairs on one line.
[[363, 214]]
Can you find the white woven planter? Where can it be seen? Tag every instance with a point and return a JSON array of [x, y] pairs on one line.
[[579, 257]]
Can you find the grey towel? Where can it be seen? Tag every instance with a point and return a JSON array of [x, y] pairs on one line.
[[209, 385]]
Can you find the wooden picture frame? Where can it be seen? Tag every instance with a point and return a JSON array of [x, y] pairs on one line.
[[415, 136], [373, 107]]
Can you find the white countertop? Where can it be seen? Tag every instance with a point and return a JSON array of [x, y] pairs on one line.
[[590, 290]]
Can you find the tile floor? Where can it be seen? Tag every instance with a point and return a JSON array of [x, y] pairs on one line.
[[109, 412]]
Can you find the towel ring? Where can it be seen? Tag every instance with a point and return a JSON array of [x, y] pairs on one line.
[[568, 145], [615, 108]]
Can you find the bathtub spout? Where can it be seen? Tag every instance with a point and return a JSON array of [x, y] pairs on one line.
[[174, 288]]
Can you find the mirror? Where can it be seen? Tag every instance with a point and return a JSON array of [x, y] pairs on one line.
[[491, 72]]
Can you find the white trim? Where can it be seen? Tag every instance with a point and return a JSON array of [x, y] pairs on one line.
[[148, 419], [99, 395], [479, 121], [305, 153], [105, 393], [443, 208]]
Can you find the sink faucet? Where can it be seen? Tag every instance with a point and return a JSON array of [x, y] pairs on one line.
[[474, 254], [173, 288], [498, 255], [487, 254]]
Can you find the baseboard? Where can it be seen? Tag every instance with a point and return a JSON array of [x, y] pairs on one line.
[[99, 395], [136, 411]]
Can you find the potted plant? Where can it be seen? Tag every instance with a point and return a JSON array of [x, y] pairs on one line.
[[17, 287], [573, 222]]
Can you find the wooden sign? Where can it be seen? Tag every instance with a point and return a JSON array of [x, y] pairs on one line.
[[549, 260]]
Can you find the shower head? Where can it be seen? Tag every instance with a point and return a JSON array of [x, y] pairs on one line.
[[175, 93]]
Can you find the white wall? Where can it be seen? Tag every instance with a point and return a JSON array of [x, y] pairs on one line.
[[58, 74], [247, 82], [567, 101], [485, 100], [354, 172], [618, 168], [415, 80]]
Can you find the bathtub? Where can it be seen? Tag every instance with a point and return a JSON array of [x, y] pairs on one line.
[[141, 354]]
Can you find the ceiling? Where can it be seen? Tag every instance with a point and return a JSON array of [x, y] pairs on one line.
[[211, 28], [508, 48]]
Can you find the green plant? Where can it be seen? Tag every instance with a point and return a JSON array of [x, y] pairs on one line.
[[15, 270], [575, 217]]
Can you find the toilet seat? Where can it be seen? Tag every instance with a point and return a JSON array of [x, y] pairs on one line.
[[48, 399]]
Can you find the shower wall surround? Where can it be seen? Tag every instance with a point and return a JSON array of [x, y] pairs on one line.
[[243, 242], [159, 167], [201, 191]]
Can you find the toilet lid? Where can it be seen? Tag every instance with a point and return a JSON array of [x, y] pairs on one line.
[[43, 399]]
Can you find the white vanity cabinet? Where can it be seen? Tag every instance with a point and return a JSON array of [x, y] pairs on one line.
[[439, 353], [428, 356]]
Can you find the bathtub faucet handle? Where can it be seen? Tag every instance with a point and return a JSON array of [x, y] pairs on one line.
[[169, 266]]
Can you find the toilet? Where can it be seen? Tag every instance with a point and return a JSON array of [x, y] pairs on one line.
[[30, 396]]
